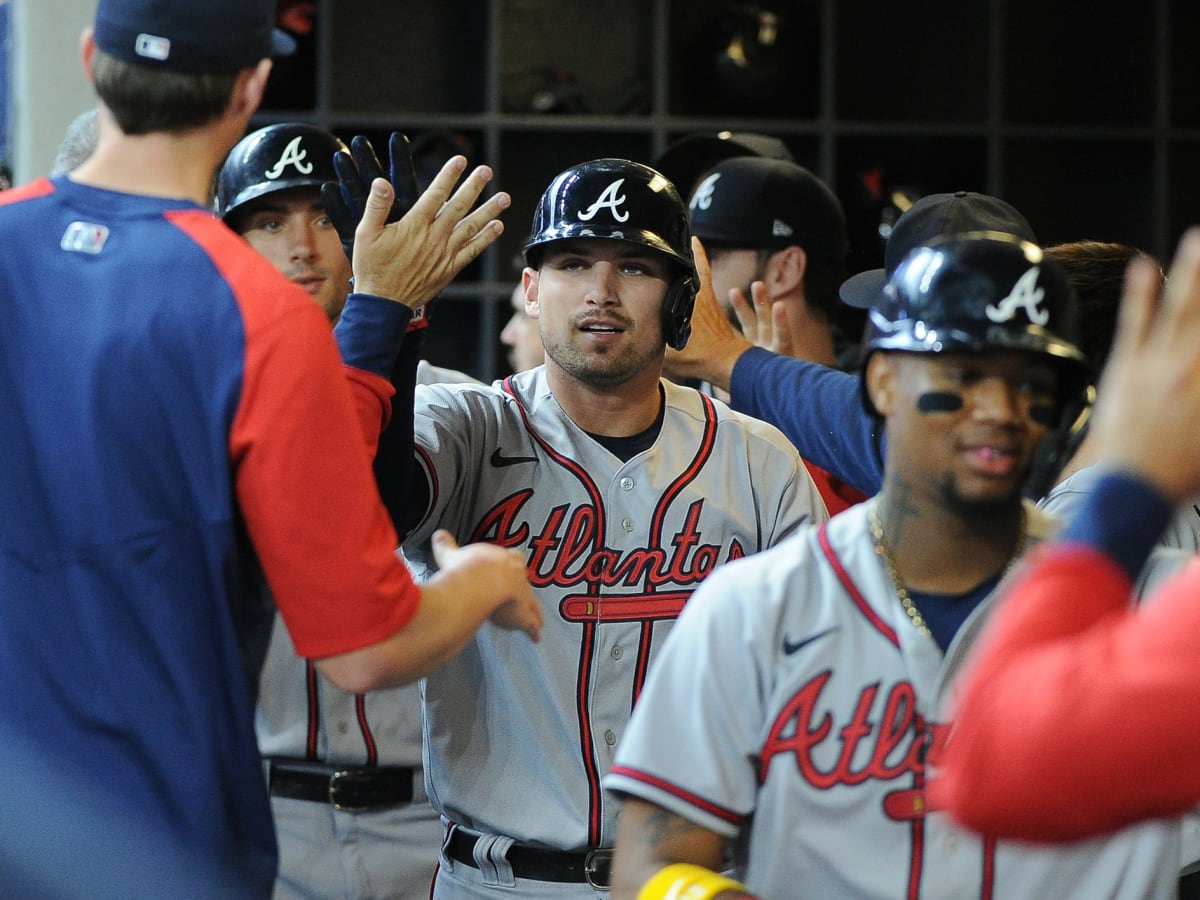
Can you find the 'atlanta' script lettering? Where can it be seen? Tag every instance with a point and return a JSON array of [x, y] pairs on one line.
[[568, 550], [884, 739]]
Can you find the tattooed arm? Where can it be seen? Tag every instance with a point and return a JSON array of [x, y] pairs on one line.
[[649, 839]]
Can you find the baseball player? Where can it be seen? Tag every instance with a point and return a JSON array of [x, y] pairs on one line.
[[830, 428], [623, 491], [797, 732], [343, 769], [159, 462], [520, 335], [1097, 272], [773, 221], [1076, 717]]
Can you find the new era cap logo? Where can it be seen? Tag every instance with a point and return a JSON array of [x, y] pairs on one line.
[[781, 229], [152, 47]]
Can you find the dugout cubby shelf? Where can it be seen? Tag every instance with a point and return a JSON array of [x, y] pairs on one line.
[[1089, 123]]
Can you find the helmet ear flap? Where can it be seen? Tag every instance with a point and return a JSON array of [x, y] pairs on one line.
[[678, 304]]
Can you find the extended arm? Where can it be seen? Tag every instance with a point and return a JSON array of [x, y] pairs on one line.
[[650, 839], [816, 406]]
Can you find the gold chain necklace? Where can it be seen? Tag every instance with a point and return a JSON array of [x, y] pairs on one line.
[[906, 600]]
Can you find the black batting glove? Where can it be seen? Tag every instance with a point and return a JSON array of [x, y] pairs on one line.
[[345, 199]]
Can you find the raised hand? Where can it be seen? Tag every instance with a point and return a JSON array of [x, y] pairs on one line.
[[345, 199], [714, 345], [499, 574], [413, 258], [764, 323], [1147, 417]]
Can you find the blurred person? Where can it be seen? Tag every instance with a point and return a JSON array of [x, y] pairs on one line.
[[343, 769], [1074, 718], [162, 467], [521, 335], [832, 689], [78, 142]]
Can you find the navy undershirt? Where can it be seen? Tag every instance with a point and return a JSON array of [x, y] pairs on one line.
[[626, 448], [944, 614]]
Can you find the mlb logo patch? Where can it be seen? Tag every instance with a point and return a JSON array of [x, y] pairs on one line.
[[152, 46], [84, 237]]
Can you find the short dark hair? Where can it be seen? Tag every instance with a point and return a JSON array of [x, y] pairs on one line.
[[145, 100], [1096, 270]]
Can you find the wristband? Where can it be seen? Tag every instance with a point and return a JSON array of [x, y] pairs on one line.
[[418, 320], [684, 881]]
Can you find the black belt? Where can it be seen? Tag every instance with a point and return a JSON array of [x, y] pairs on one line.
[[538, 864], [347, 788]]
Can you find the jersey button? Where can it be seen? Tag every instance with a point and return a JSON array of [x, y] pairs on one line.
[[609, 737], [617, 652], [627, 524], [627, 483]]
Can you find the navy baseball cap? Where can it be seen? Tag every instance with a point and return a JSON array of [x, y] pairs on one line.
[[191, 35], [753, 201], [684, 161], [930, 217]]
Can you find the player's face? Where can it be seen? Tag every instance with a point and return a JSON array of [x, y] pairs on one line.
[[291, 230], [964, 424], [599, 309], [735, 267], [521, 336]]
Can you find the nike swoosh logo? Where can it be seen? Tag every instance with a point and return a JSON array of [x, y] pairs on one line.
[[789, 647], [500, 461]]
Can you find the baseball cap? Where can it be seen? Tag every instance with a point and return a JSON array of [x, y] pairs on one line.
[[752, 201], [684, 161], [930, 217], [191, 35]]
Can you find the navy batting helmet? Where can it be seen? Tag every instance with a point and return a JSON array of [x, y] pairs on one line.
[[981, 291], [626, 201], [272, 159]]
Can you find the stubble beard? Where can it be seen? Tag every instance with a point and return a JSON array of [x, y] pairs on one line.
[[977, 507], [599, 369]]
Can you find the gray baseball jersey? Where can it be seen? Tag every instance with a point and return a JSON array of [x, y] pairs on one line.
[[323, 852], [385, 853], [1182, 532], [518, 734], [796, 711]]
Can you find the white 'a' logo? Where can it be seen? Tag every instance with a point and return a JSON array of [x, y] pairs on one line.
[[610, 198], [292, 155], [1025, 295], [702, 198]]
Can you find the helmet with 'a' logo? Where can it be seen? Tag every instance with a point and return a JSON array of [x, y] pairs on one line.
[[275, 158], [980, 291], [621, 200]]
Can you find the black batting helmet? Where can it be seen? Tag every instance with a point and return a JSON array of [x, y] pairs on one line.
[[626, 201], [272, 159], [981, 291]]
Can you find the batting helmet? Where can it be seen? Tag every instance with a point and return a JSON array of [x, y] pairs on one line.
[[981, 291], [273, 159], [622, 201]]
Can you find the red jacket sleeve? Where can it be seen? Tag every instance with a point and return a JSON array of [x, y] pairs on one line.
[[1077, 716], [301, 453]]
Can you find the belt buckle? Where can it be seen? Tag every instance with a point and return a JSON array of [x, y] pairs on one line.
[[597, 868], [336, 784]]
